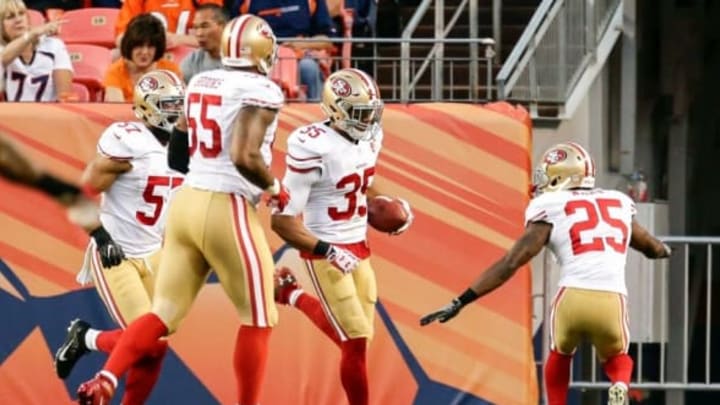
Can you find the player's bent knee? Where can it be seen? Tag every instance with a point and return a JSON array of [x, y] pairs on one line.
[[168, 314]]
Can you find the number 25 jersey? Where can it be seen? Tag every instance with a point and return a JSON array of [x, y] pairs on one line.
[[133, 208], [590, 235]]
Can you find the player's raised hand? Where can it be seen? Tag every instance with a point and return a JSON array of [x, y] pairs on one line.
[[443, 314], [342, 259]]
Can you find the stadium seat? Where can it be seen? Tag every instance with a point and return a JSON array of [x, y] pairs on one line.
[[178, 53], [90, 63], [81, 92], [285, 72], [94, 25], [36, 17]]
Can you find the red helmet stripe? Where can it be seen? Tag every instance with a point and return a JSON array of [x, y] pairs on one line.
[[238, 38], [231, 29], [365, 78], [173, 78]]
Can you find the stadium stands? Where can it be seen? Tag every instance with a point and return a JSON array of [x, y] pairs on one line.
[[94, 26], [90, 63]]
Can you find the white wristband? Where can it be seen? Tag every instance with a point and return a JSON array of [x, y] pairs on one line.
[[274, 189]]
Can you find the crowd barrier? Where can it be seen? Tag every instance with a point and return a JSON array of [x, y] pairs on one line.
[[465, 170]]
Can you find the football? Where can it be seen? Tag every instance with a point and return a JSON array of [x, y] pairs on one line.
[[386, 214]]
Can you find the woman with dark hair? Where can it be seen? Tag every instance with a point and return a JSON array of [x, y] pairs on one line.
[[142, 49]]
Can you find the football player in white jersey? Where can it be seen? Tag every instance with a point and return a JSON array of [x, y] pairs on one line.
[[330, 171], [131, 171], [232, 115], [589, 230], [37, 65]]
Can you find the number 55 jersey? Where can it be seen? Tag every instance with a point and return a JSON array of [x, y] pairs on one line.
[[590, 235]]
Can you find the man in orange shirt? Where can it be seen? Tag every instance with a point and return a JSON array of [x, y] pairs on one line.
[[176, 16]]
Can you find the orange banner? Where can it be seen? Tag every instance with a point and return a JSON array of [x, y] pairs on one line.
[[464, 169]]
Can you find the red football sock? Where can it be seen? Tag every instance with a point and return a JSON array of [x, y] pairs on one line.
[[353, 371], [138, 340], [619, 368], [310, 306], [143, 375], [107, 340], [557, 378], [250, 359]]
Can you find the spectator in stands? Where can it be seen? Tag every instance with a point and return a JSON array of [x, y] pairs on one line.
[[142, 49], [300, 19], [210, 19], [37, 65], [176, 16], [364, 21]]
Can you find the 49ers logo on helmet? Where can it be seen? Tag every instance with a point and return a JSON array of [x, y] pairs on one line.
[[265, 31], [555, 156], [148, 84], [341, 87]]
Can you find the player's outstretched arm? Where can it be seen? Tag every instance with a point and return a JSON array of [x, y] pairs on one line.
[[16, 167], [530, 243], [642, 241]]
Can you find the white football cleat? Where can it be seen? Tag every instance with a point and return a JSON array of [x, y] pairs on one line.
[[618, 394]]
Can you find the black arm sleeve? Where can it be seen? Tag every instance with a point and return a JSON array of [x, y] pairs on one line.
[[178, 154]]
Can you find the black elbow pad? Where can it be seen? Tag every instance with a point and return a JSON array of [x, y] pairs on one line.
[[178, 151]]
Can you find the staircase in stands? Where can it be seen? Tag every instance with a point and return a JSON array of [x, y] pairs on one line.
[[394, 15]]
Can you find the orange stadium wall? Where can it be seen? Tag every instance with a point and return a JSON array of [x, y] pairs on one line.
[[465, 170]]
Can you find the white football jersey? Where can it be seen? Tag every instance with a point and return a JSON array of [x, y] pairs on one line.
[[133, 208], [34, 81], [335, 209], [212, 102], [590, 236]]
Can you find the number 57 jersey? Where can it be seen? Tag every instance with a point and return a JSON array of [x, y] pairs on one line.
[[133, 208], [590, 235]]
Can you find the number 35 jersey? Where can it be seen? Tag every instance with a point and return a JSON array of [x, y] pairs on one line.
[[341, 170], [590, 235], [133, 208]]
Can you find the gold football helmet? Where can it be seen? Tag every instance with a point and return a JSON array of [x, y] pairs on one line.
[[351, 100], [564, 166], [158, 99], [248, 41]]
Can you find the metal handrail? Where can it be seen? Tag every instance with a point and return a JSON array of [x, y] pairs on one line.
[[438, 45], [437, 52], [512, 64], [405, 48]]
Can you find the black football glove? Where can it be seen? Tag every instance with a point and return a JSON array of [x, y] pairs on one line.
[[111, 254], [443, 314]]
